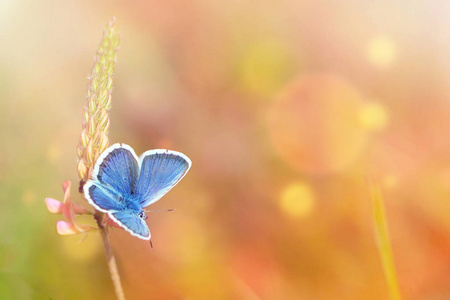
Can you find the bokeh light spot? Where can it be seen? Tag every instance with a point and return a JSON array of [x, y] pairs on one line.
[[297, 199], [28, 197], [390, 181], [192, 243], [314, 124], [264, 66], [381, 51], [373, 116], [53, 153]]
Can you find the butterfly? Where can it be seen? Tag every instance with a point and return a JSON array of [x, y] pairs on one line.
[[122, 184]]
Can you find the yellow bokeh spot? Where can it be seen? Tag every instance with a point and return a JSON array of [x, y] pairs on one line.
[[264, 66], [28, 197], [53, 153], [381, 51], [373, 117], [444, 178], [82, 248], [192, 245], [297, 199], [390, 181]]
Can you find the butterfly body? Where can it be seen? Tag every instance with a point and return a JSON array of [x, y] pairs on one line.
[[122, 184]]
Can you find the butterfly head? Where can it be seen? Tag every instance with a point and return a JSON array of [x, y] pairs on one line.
[[142, 215], [134, 208]]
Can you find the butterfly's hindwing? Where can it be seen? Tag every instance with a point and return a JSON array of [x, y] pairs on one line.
[[102, 199], [132, 223]]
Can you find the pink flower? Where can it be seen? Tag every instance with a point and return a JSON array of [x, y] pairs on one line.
[[69, 210]]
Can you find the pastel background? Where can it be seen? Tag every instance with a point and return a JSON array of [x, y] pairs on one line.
[[287, 110]]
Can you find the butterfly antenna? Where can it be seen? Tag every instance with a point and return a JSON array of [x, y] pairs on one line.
[[160, 210]]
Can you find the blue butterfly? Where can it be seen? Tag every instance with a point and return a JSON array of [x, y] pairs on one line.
[[122, 184]]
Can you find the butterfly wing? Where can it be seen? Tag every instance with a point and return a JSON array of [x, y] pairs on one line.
[[132, 223], [160, 171], [114, 178], [119, 176], [101, 198]]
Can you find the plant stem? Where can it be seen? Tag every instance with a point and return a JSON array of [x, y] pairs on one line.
[[110, 259], [384, 244]]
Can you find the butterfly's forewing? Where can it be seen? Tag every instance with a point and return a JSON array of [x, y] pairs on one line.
[[114, 178], [160, 171], [132, 223], [117, 169]]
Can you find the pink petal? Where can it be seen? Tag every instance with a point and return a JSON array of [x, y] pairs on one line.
[[66, 185], [67, 209], [65, 228], [54, 206], [78, 209], [82, 227]]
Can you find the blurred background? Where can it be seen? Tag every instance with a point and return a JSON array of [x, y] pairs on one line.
[[286, 108]]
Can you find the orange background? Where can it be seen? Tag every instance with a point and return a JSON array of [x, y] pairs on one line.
[[286, 108]]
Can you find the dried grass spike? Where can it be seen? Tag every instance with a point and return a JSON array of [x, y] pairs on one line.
[[95, 117]]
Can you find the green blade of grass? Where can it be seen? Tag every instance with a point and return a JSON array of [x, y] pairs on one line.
[[384, 244]]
